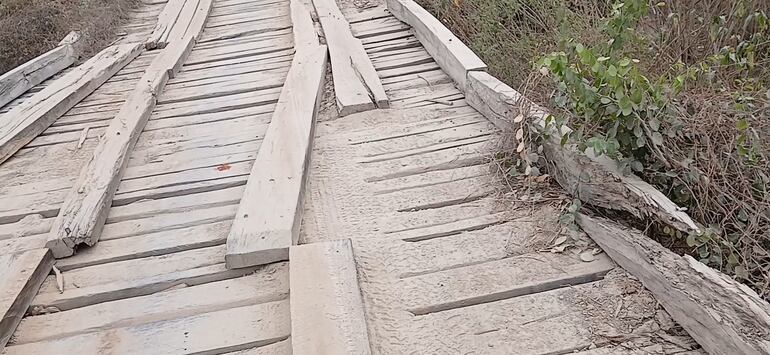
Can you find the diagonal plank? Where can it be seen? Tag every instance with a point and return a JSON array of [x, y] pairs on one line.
[[262, 233], [24, 122], [21, 275], [356, 84], [85, 209], [166, 21], [327, 311], [24, 77]]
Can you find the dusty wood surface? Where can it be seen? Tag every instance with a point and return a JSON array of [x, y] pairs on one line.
[[35, 71], [327, 314], [449, 52], [85, 209], [21, 275], [356, 84], [166, 21], [262, 233], [24, 122], [595, 180], [722, 315]]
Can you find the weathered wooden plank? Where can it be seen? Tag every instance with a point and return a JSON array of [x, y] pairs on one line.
[[24, 77], [21, 275], [166, 21], [268, 284], [449, 51], [262, 233], [82, 216], [209, 333], [597, 180], [722, 315], [356, 84], [327, 313], [24, 122]]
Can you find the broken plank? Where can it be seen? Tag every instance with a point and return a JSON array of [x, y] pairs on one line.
[[327, 311], [166, 20], [722, 315], [21, 275], [262, 233], [24, 122], [208, 333], [356, 84], [24, 77], [449, 51]]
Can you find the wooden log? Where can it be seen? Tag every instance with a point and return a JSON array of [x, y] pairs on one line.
[[24, 77], [166, 20], [595, 180], [449, 52], [327, 312], [24, 122], [357, 86], [82, 216], [21, 275], [722, 315], [263, 232]]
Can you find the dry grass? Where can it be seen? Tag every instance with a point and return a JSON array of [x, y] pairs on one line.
[[29, 28]]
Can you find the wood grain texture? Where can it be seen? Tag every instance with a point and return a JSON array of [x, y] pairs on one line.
[[327, 313], [449, 52], [357, 86], [83, 214], [597, 180], [722, 315], [21, 275], [166, 21], [24, 122], [24, 77], [263, 232]]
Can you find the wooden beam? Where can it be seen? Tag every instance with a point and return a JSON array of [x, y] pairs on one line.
[[166, 20], [303, 29], [357, 86], [595, 180], [24, 77], [450, 52], [24, 122], [722, 315], [85, 208], [327, 312], [21, 275], [263, 232]]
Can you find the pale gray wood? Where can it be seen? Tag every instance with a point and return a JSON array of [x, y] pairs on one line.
[[83, 214], [597, 180], [327, 312], [356, 84], [166, 20], [722, 315], [21, 275], [263, 232], [451, 54], [24, 77], [24, 122]]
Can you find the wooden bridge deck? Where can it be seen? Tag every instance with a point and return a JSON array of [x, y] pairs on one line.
[[443, 266]]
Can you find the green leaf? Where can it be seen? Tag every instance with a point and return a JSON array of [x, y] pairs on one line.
[[637, 166], [612, 71], [566, 219], [691, 242], [741, 273], [657, 138], [654, 124], [624, 62], [732, 259], [742, 124]]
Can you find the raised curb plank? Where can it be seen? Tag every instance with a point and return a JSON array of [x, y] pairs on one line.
[[21, 275], [722, 315], [25, 122], [450, 53], [327, 314], [24, 77]]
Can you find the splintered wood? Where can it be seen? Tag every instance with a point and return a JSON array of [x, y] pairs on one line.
[[356, 84], [85, 208], [21, 275], [176, 22], [25, 122]]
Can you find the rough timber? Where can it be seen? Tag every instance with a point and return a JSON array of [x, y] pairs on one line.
[[434, 262]]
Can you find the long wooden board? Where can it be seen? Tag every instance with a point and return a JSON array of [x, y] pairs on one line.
[[356, 84], [21, 275], [24, 122], [449, 51], [263, 232], [327, 312], [166, 21], [24, 77], [83, 214], [722, 315]]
